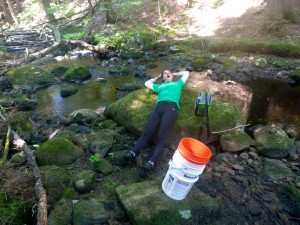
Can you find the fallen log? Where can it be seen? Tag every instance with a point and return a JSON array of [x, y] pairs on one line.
[[94, 48], [39, 189], [43, 52]]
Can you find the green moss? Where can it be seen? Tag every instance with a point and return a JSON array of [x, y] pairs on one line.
[[200, 63], [55, 180], [58, 151], [100, 165], [125, 71], [221, 115], [30, 75], [21, 123], [12, 210], [70, 193], [76, 72], [6, 101]]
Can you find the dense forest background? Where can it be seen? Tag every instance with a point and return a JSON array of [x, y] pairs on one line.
[[109, 20], [135, 29]]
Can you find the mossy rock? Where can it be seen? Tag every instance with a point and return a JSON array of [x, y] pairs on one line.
[[146, 204], [274, 142], [68, 91], [55, 181], [30, 75], [25, 104], [295, 75], [84, 116], [275, 170], [84, 181], [58, 71], [100, 165], [61, 214], [6, 101], [57, 151], [76, 73], [21, 123], [129, 87], [133, 111], [89, 211]]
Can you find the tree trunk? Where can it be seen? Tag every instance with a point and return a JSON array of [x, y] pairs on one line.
[[50, 16], [280, 9], [90, 3], [8, 16], [12, 11]]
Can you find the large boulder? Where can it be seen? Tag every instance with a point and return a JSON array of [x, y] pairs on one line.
[[133, 111], [274, 142], [146, 204], [57, 151]]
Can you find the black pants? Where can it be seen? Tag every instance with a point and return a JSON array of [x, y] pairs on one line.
[[164, 116]]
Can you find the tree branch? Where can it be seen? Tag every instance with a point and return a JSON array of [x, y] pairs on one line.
[[224, 131], [39, 189]]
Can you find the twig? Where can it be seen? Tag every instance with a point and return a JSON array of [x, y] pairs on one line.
[[223, 131], [53, 134]]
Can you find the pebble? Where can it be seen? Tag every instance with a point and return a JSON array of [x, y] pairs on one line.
[[244, 156], [238, 167], [253, 155]]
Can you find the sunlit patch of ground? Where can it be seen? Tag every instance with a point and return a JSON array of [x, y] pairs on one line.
[[206, 17]]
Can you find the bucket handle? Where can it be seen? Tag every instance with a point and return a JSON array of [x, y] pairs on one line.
[[177, 168]]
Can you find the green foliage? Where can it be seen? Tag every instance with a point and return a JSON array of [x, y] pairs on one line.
[[11, 210], [74, 35], [94, 159], [112, 37]]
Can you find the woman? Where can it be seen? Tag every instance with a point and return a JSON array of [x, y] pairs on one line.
[[163, 115]]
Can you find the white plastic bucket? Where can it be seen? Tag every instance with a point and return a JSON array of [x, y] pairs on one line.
[[187, 164]]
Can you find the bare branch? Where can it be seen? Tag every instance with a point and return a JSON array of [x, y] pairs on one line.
[[39, 189]]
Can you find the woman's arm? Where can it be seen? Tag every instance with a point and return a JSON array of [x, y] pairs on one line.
[[149, 83], [185, 75]]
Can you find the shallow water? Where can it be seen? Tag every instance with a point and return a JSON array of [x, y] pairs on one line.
[[259, 101]]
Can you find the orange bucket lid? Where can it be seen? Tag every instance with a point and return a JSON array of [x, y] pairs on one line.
[[194, 151]]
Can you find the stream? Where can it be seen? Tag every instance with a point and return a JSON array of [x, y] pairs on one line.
[[258, 100]]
